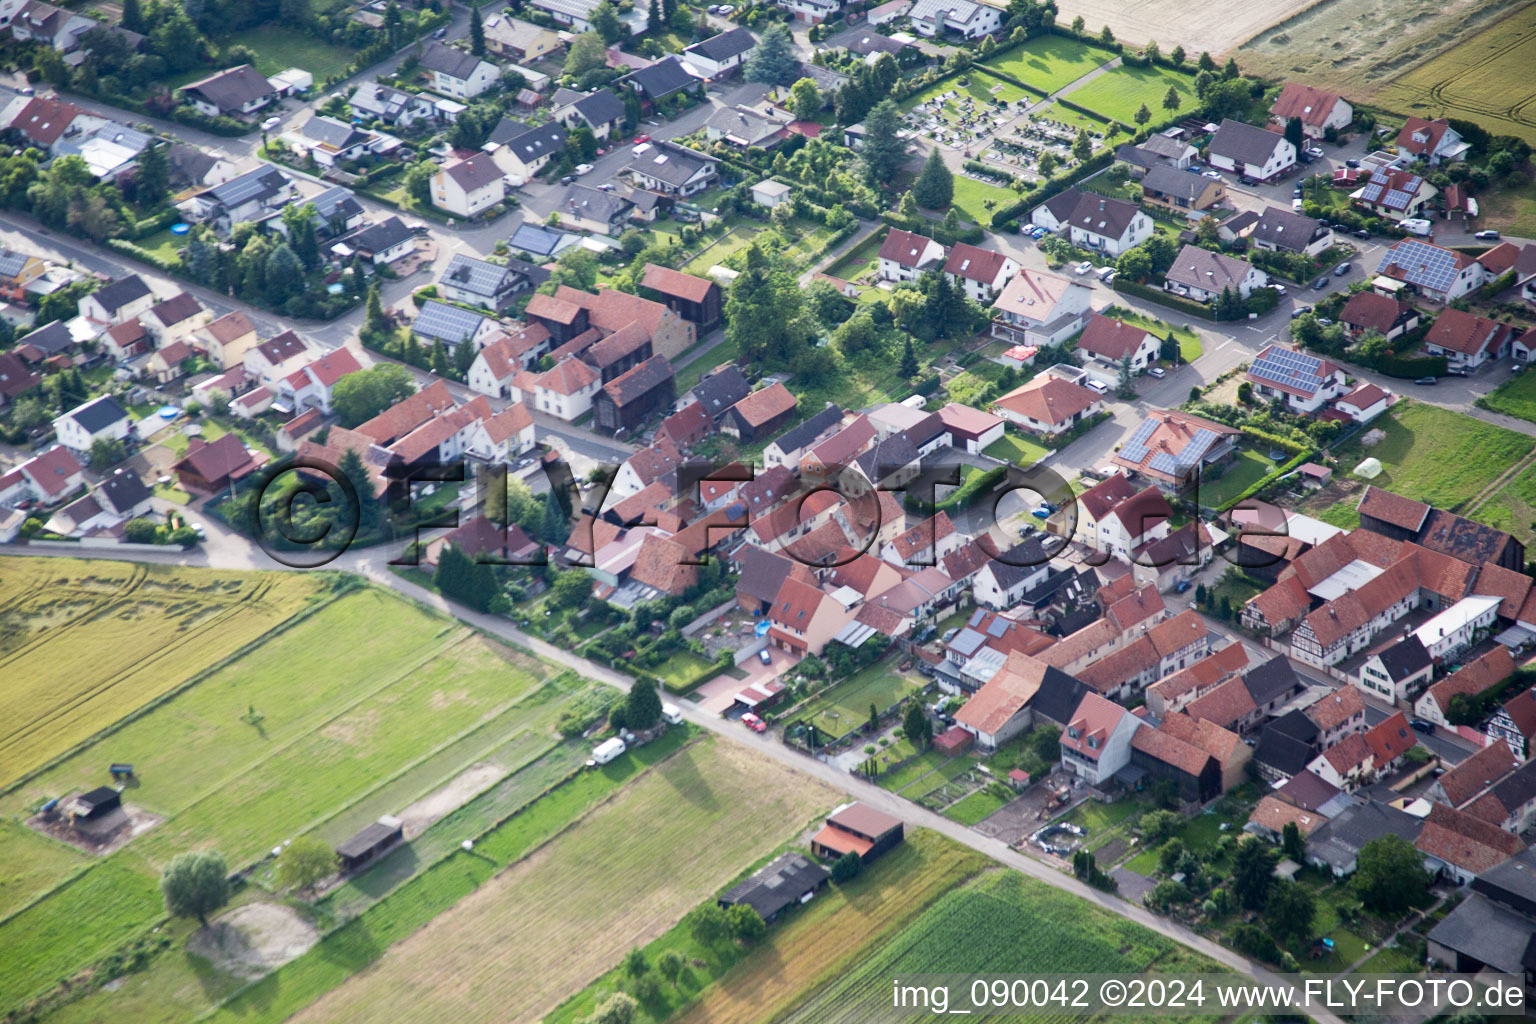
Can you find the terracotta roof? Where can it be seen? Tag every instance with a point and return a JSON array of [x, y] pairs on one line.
[[1522, 711], [1048, 399], [1404, 513], [408, 413], [975, 263], [686, 426], [1177, 633], [1362, 397], [1467, 842], [548, 307], [1139, 606], [796, 604], [1349, 754], [1372, 311], [1346, 613], [1076, 646], [1467, 333], [43, 120], [1311, 105], [512, 420], [1225, 705], [661, 564], [224, 456], [230, 327], [967, 420], [1004, 695], [1095, 718], [1500, 259], [675, 282], [1479, 771], [333, 366], [1099, 500], [1111, 338], [841, 448], [1509, 586], [863, 819], [1336, 708], [1274, 814], [652, 463], [765, 404], [904, 247], [1205, 673], [1432, 131], [567, 377], [1143, 511], [1489, 669], [1390, 739], [923, 537], [1220, 743], [1170, 750], [1123, 663], [51, 470]]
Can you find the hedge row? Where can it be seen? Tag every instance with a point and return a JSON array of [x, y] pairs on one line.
[[1265, 481], [1275, 440], [1052, 186], [1163, 298], [127, 248], [1411, 368]]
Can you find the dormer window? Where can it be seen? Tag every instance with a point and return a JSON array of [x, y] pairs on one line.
[[1072, 732], [1093, 743]]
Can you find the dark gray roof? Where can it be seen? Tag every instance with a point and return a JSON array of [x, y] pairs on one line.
[[762, 572], [1287, 744], [123, 490], [12, 263], [1338, 841], [1019, 562], [51, 338], [670, 163], [826, 79], [1285, 229], [594, 204], [1518, 787], [450, 324], [925, 430], [335, 204], [1174, 182], [525, 140], [640, 381], [1058, 696], [538, 240], [721, 390], [895, 453], [477, 276], [369, 838], [778, 885], [724, 46], [232, 88], [99, 413], [1404, 658], [662, 79], [597, 108], [262, 183], [333, 132], [1512, 883], [475, 172], [1488, 933], [798, 437], [1062, 204], [535, 274], [1239, 140], [866, 43], [1103, 215], [453, 63], [119, 293], [1308, 790], [388, 232], [1275, 678]]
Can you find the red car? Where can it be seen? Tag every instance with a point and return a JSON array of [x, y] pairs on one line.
[[754, 723], [642, 138]]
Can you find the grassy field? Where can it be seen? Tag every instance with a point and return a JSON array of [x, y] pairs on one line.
[[681, 669], [727, 351], [971, 809], [827, 937], [279, 47], [846, 706], [1514, 507], [32, 863], [1515, 397], [1434, 455], [1249, 468], [977, 199], [1511, 208], [1119, 93], [994, 925], [1050, 62], [1075, 118], [1481, 78], [1020, 451], [612, 882], [860, 260], [84, 643]]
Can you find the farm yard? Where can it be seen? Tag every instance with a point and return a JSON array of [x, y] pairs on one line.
[[85, 643], [615, 878]]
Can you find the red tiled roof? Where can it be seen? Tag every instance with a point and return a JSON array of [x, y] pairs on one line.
[[224, 456], [408, 413], [1479, 771], [1390, 739], [1274, 814], [904, 247], [1371, 311], [675, 282], [1094, 718], [1473, 678], [765, 404], [567, 377], [1177, 633], [1311, 105], [1466, 333], [1048, 399], [1467, 842], [1336, 708], [661, 563], [1404, 513], [975, 263], [1111, 338], [1004, 695], [1225, 705], [1170, 750]]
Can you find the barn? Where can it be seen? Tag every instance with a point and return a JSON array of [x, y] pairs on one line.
[[370, 843], [857, 828]]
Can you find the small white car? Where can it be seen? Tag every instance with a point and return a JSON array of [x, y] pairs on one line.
[[1214, 175], [1158, 372], [1315, 152], [583, 169], [1084, 267], [270, 123], [1096, 385]]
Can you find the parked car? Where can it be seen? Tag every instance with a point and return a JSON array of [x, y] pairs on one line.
[[1213, 174], [754, 723], [1324, 321], [1305, 157], [1419, 725], [1043, 512], [642, 138], [583, 169], [1245, 180], [1296, 205], [1315, 152], [1300, 311], [1181, 586], [1487, 236], [1320, 283], [567, 180], [1351, 163], [1296, 192], [1158, 372], [441, 33], [1342, 269], [1516, 366], [1096, 385], [1427, 381], [1279, 289], [1039, 233], [271, 123], [1361, 234], [764, 657], [1084, 267]]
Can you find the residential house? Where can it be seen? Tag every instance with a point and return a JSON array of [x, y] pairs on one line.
[[1177, 690], [35, 21], [787, 449], [1335, 846], [1040, 309], [1023, 691], [519, 41], [476, 282], [1337, 714], [971, 429], [1280, 230], [310, 387], [211, 466], [394, 107], [438, 321], [965, 18], [981, 273], [522, 150], [1255, 153], [15, 379], [673, 170], [566, 390], [1304, 382], [1468, 340], [812, 11], [1440, 275], [601, 111], [583, 208], [125, 341], [167, 363], [1470, 681], [1170, 448], [1396, 672], [118, 302], [331, 142], [1435, 142], [1372, 311], [1165, 149], [1107, 225], [1317, 110], [696, 299], [1162, 754], [1005, 579], [609, 311], [175, 319], [1463, 845], [1202, 275], [499, 365], [717, 391], [855, 828], [1047, 405], [226, 340], [905, 256], [1097, 740], [232, 92], [720, 55], [753, 128], [1115, 343], [100, 419], [254, 196], [275, 358], [627, 401], [804, 618], [1515, 724], [661, 81], [456, 73], [53, 475], [759, 414], [383, 243], [466, 188], [1393, 193], [1179, 191]]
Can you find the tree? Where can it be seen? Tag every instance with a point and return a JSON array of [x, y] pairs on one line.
[[1230, 70], [195, 884], [1153, 52], [106, 451], [418, 182], [908, 359], [916, 726], [587, 53], [934, 188], [439, 358], [1157, 826], [1171, 99], [1204, 80], [133, 17], [618, 1008], [642, 708], [1126, 381], [1205, 62], [773, 60], [1293, 842], [746, 924], [635, 963], [605, 22], [1082, 146], [885, 151], [1290, 911], [1390, 875], [1176, 58], [1106, 36], [1143, 114], [303, 862], [1253, 872], [1293, 132], [362, 395], [570, 589], [653, 19], [1078, 25], [375, 323], [874, 718], [476, 33], [846, 868], [670, 964], [805, 99], [707, 924], [153, 176]]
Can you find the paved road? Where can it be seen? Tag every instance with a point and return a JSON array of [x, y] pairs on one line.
[[221, 553]]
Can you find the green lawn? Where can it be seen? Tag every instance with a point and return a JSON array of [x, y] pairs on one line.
[[1246, 470], [913, 770], [1189, 341], [976, 199], [1120, 92], [860, 260], [1050, 62], [681, 670], [1075, 118], [1510, 208], [969, 810], [164, 244], [1020, 451], [1513, 508], [279, 48], [1515, 397], [33, 862], [846, 706]]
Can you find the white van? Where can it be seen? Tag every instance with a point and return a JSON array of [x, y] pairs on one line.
[[641, 150], [671, 714], [1416, 226], [608, 750]]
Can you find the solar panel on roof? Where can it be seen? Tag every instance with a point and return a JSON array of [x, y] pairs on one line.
[[1135, 449], [998, 628], [1196, 447], [1162, 462]]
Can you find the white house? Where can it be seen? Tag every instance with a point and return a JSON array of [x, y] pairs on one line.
[[394, 107], [1048, 405], [502, 437], [468, 187], [521, 150], [1434, 142], [475, 282], [1256, 153], [1040, 309], [1097, 741], [175, 319], [905, 256], [233, 91], [1202, 275], [1301, 380], [671, 169], [981, 273], [118, 302], [1364, 403], [275, 358], [1108, 225], [457, 73], [309, 387], [1110, 342], [1004, 580], [963, 17], [812, 11], [1441, 275], [99, 419], [1114, 517], [1285, 231], [1317, 110], [1468, 340], [1453, 629], [1399, 672], [720, 55], [566, 389]]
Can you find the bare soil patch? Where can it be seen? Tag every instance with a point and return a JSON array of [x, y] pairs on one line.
[[106, 834], [255, 939], [473, 780]]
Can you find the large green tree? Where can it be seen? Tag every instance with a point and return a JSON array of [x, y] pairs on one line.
[[195, 884], [605, 22], [1290, 911], [765, 313], [1253, 872], [1389, 875], [884, 150], [773, 60], [476, 33], [587, 53], [934, 188], [642, 707], [360, 396], [303, 862]]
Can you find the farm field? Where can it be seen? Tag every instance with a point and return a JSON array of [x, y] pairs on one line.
[[1050, 62], [611, 882], [1215, 27], [32, 863], [846, 706], [1353, 48], [84, 643], [993, 925], [1438, 456], [1119, 93]]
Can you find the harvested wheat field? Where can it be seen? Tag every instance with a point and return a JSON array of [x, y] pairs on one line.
[[617, 878], [1216, 26]]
